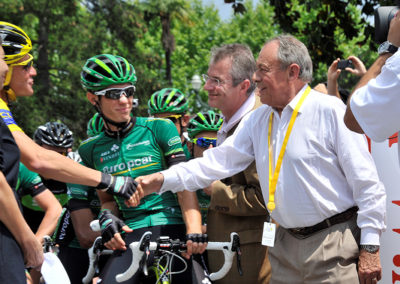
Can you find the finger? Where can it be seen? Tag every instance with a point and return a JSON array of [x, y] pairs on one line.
[[195, 247], [127, 229], [189, 248], [185, 255], [203, 247], [119, 242]]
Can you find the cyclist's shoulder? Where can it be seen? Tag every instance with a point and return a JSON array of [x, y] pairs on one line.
[[91, 141], [154, 122], [8, 119]]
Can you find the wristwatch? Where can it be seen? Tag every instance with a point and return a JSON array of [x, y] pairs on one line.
[[370, 248], [387, 47]]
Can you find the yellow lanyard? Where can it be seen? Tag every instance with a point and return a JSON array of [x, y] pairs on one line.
[[273, 176]]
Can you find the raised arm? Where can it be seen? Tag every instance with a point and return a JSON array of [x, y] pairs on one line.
[[373, 72]]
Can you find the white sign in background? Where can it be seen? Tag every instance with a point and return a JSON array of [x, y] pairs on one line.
[[387, 162]]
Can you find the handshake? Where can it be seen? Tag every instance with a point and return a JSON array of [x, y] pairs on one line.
[[129, 189]]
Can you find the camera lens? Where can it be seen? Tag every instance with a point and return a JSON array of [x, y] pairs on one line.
[[383, 16]]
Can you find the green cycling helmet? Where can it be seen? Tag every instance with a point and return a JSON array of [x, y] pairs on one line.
[[103, 70], [95, 125], [168, 100], [204, 121]]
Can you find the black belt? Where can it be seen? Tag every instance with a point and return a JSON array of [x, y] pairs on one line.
[[336, 219]]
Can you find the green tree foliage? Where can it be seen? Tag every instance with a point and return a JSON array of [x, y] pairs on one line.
[[167, 42]]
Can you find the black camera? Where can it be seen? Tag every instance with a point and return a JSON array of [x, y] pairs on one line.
[[344, 63], [383, 16]]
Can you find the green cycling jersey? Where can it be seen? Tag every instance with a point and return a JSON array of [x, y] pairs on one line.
[[150, 146], [29, 185]]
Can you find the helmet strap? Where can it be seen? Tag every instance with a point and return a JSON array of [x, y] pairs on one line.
[[123, 127], [10, 94]]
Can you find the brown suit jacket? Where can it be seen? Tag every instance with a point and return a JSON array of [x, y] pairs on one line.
[[237, 205]]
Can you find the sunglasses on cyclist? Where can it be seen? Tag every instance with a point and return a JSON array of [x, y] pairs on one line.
[[205, 142], [116, 93], [26, 64], [174, 118]]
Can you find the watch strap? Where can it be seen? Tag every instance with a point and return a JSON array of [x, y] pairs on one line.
[[370, 248]]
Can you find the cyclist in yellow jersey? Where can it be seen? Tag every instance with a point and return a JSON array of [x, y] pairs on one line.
[[18, 82], [18, 243]]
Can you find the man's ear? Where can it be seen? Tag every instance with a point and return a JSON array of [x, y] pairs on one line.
[[293, 71], [185, 120], [93, 99], [245, 85]]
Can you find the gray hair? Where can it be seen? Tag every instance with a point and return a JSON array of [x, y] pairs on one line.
[[243, 62], [290, 51]]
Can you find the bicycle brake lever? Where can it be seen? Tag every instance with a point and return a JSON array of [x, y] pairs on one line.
[[145, 246], [236, 247]]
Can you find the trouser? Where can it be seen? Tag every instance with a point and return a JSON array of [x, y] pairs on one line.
[[328, 256], [11, 259]]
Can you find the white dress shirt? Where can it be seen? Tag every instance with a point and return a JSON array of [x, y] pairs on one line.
[[326, 169], [376, 106], [244, 109]]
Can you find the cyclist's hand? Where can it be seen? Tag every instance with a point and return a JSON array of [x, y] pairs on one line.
[[196, 244], [110, 227], [33, 252], [122, 186]]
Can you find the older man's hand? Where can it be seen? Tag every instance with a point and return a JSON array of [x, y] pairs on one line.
[[150, 183], [369, 267], [394, 30]]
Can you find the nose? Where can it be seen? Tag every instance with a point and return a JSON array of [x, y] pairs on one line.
[[208, 86], [124, 98], [32, 71], [255, 77]]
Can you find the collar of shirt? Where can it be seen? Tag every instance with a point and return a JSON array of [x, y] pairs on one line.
[[246, 107], [292, 104]]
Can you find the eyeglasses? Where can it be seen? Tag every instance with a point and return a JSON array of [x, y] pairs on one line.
[[27, 64], [115, 93], [205, 142], [173, 117], [213, 81]]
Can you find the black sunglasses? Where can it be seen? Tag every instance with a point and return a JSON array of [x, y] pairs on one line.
[[116, 93]]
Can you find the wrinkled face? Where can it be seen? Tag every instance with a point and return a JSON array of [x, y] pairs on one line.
[[225, 97], [197, 150], [22, 79], [272, 82], [3, 68], [118, 110]]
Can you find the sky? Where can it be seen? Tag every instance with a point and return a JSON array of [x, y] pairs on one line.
[[225, 10]]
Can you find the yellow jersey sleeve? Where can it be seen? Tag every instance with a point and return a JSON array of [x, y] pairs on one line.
[[7, 117]]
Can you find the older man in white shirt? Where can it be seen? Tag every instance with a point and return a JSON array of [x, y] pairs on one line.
[[315, 175]]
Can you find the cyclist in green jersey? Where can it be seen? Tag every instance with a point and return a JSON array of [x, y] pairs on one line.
[[202, 130], [172, 104], [133, 146], [40, 207]]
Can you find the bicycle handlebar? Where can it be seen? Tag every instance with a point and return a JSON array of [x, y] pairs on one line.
[[143, 246], [138, 250], [94, 253]]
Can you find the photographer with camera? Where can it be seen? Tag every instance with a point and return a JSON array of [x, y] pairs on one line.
[[375, 104], [353, 65]]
